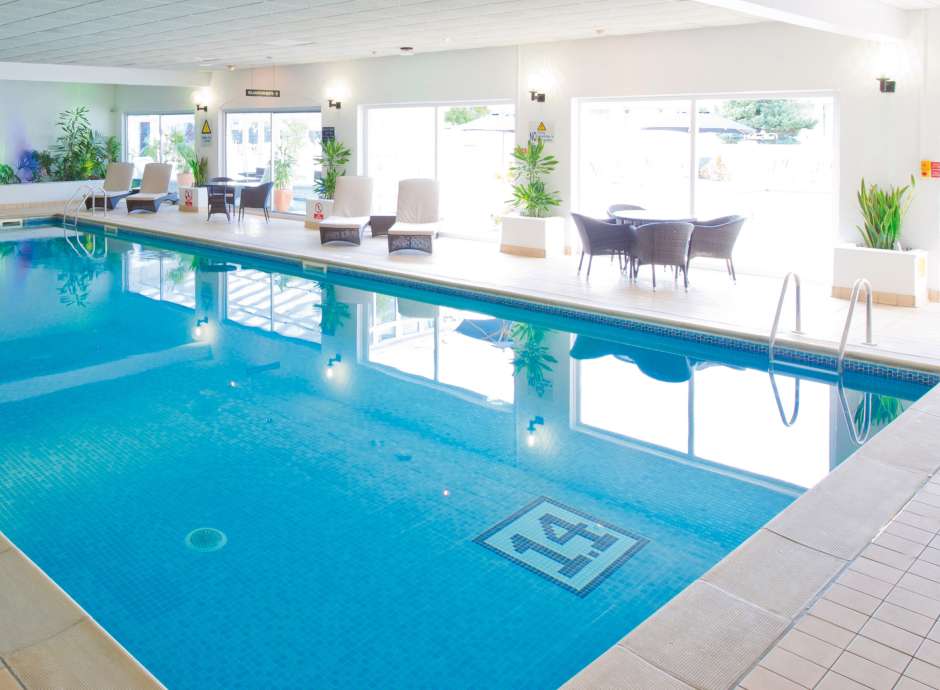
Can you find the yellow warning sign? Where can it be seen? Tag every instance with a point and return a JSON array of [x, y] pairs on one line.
[[541, 128], [205, 127]]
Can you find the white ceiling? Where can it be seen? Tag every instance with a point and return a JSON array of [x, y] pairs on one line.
[[214, 33], [914, 4]]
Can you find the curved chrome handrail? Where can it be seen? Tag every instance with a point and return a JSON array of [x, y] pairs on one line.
[[796, 399], [853, 300], [799, 312], [858, 437]]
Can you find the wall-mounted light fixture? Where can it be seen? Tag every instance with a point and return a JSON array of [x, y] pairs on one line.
[[887, 85], [329, 365], [537, 96], [330, 103], [202, 97], [335, 95], [533, 423], [198, 330]]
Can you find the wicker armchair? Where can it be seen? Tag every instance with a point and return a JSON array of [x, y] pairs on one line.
[[221, 200], [600, 238], [662, 244], [716, 238], [617, 208], [256, 197]]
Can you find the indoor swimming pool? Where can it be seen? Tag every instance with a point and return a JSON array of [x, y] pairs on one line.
[[260, 474]]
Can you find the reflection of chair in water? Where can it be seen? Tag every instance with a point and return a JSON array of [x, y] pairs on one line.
[[662, 366], [494, 331]]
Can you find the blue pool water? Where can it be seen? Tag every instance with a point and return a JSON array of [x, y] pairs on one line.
[[255, 476]]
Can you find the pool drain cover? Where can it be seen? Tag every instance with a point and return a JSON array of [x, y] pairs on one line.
[[206, 539]]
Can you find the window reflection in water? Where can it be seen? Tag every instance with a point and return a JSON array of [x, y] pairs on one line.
[[274, 302], [163, 276], [453, 347]]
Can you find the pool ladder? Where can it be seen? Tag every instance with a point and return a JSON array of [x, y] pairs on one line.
[[858, 435], [72, 208]]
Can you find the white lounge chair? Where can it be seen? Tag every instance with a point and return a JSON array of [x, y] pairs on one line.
[[352, 205], [116, 186], [154, 189], [417, 221]]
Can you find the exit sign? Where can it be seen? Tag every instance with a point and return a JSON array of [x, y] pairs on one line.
[[267, 93]]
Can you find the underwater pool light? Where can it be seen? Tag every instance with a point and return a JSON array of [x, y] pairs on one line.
[[330, 363], [530, 438]]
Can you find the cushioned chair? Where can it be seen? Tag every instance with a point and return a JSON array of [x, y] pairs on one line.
[[600, 238], [352, 204], [662, 244], [716, 238], [116, 186], [256, 197], [154, 189], [418, 218]]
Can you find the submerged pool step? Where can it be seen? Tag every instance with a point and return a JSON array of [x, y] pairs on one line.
[[24, 389]]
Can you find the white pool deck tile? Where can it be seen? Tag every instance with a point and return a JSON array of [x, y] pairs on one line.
[[841, 590]]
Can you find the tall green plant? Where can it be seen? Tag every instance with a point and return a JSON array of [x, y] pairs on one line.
[[284, 161], [883, 212], [78, 150], [333, 158], [529, 195]]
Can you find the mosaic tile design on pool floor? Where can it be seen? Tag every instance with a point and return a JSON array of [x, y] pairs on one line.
[[572, 549]]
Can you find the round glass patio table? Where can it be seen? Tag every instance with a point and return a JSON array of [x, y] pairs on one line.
[[650, 216]]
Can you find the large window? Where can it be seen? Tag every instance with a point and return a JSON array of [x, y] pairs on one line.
[[274, 302], [154, 138], [261, 144], [770, 159], [467, 148], [163, 276]]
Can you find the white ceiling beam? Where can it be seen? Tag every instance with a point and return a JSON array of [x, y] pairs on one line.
[[85, 74], [869, 19]]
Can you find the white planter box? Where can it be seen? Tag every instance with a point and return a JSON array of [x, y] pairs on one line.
[[317, 210], [535, 237], [897, 278], [35, 193], [193, 199]]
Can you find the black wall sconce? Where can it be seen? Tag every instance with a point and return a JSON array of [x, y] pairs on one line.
[[887, 85], [330, 103], [329, 366], [537, 96], [533, 424], [203, 108]]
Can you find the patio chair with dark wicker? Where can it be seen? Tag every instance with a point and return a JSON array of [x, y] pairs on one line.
[[221, 200], [601, 238], [256, 197], [116, 186], [662, 244], [716, 238], [352, 206]]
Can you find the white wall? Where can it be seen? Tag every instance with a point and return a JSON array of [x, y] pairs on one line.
[[881, 137], [29, 111]]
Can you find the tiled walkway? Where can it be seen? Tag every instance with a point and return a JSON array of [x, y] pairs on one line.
[[878, 625]]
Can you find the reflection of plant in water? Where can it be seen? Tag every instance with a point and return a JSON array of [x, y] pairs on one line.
[[186, 264], [532, 356], [282, 281], [6, 249], [333, 313], [884, 410], [75, 281]]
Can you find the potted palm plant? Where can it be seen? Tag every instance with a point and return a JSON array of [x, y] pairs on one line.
[[898, 275], [333, 158], [284, 163], [532, 231]]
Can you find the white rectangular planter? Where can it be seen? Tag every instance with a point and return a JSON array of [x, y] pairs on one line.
[[14, 196], [535, 237], [317, 210], [193, 199], [896, 277]]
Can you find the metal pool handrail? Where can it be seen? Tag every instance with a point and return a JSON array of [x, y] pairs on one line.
[[799, 312], [856, 288]]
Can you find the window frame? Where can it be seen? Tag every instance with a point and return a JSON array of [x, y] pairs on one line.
[[363, 139], [160, 114]]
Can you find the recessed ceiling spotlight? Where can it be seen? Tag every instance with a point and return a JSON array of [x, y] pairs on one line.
[[230, 68], [407, 50], [446, 39], [600, 32]]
